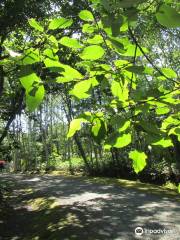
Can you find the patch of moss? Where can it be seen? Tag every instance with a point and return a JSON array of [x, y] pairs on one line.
[[42, 203]]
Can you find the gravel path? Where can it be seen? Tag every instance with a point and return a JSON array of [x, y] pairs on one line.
[[82, 210]]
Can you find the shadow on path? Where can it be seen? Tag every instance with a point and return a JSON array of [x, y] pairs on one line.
[[83, 210]]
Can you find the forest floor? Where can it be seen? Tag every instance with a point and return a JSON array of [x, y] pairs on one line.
[[51, 207]]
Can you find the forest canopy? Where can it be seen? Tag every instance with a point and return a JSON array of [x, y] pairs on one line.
[[97, 79]]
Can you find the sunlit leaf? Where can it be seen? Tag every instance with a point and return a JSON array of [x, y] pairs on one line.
[[139, 160], [123, 141], [33, 23], [70, 42], [97, 39], [163, 143], [169, 72], [28, 80], [120, 90], [92, 53], [87, 28], [86, 16], [33, 102], [31, 56], [81, 89], [118, 140], [60, 23], [75, 126]]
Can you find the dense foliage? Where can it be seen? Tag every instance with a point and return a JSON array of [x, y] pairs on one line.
[[112, 66]]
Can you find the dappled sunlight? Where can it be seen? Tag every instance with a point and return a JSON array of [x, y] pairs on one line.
[[57, 207], [36, 179]]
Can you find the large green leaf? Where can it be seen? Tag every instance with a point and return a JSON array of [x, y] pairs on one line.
[[33, 23], [170, 121], [31, 56], [28, 80], [87, 28], [136, 69], [98, 129], [86, 16], [97, 39], [169, 72], [164, 142], [150, 127], [75, 126], [117, 140], [53, 65], [119, 123], [34, 90], [92, 53], [139, 160], [131, 51], [168, 17], [33, 102], [120, 90], [60, 23], [70, 42], [115, 26], [123, 141], [68, 73], [50, 53], [81, 89]]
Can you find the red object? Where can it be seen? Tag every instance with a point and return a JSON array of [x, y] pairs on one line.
[[2, 162]]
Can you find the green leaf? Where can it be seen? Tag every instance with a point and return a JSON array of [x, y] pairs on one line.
[[97, 39], [53, 40], [92, 53], [131, 49], [75, 126], [68, 73], [51, 54], [98, 130], [175, 131], [129, 3], [163, 143], [150, 127], [169, 72], [120, 90], [139, 160], [123, 141], [117, 140], [60, 23], [53, 65], [169, 122], [136, 69], [33, 23], [33, 102], [168, 17], [70, 42], [120, 124], [179, 188], [31, 56], [81, 89], [87, 28], [28, 80], [115, 26], [86, 16], [162, 110]]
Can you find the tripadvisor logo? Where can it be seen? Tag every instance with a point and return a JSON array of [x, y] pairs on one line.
[[139, 231]]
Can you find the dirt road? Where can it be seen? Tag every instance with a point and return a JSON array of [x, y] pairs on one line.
[[65, 208]]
